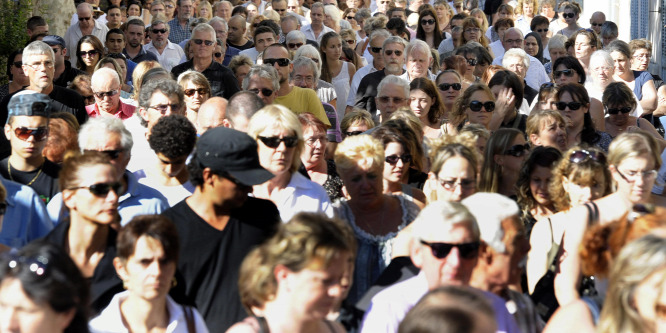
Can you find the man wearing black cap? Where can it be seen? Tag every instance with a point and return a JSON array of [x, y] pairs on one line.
[[219, 224], [27, 129], [64, 72]]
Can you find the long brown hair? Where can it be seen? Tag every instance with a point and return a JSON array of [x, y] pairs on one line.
[[427, 86]]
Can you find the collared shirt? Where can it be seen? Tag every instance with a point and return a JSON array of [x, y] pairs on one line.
[[405, 76], [124, 110], [111, 320], [170, 56], [252, 53], [300, 100], [74, 33], [536, 73], [356, 80], [302, 195], [176, 31], [25, 219], [222, 81], [310, 34], [143, 55], [229, 53]]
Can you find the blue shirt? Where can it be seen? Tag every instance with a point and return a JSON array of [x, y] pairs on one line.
[[139, 199], [25, 219], [177, 33]]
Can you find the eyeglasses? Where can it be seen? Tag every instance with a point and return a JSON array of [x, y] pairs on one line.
[[542, 30], [162, 108], [428, 22], [112, 153], [518, 150], [264, 91], [597, 24], [472, 62], [572, 105], [350, 41], [90, 53], [109, 93], [294, 45], [191, 92], [644, 56], [38, 133], [274, 141], [442, 250], [170, 6], [580, 156], [37, 265], [279, 10], [631, 176], [446, 86], [41, 65], [282, 62], [451, 184], [18, 64], [614, 111], [217, 54], [313, 140], [568, 15], [306, 79], [353, 133], [81, 19], [390, 52], [546, 85], [101, 189], [375, 49], [393, 159], [159, 31], [203, 41], [476, 106], [386, 99], [565, 72], [512, 41]]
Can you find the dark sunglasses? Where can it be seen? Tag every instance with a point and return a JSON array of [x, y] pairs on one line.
[[282, 62], [294, 45], [393, 159], [24, 133], [349, 17], [101, 189], [568, 15], [390, 52], [442, 250], [81, 19], [566, 72], [112, 153], [428, 22], [472, 62], [109, 93], [264, 91], [572, 105], [274, 141], [375, 49], [350, 41], [625, 109], [476, 106], [159, 31], [203, 41], [446, 86], [580, 156], [518, 150], [90, 53], [18, 64], [217, 54], [546, 85], [542, 30], [353, 133], [597, 24], [450, 184], [162, 108], [190, 92]]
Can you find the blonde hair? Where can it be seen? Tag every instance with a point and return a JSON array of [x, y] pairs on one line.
[[582, 173], [275, 115], [355, 117], [358, 150], [206, 4], [634, 144], [138, 73], [491, 173], [536, 120]]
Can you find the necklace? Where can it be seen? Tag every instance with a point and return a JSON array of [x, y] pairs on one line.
[[9, 171]]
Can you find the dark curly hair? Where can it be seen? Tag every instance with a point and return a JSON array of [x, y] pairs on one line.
[[173, 136]]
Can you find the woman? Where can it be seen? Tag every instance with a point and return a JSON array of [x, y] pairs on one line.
[[505, 153], [641, 82], [475, 106], [205, 10], [568, 69], [15, 73], [280, 138], [580, 176], [90, 190], [453, 171], [88, 52], [42, 290], [471, 32], [355, 123], [335, 71], [573, 102], [349, 15], [506, 86], [533, 46], [134, 9], [533, 196], [332, 18], [315, 165], [428, 29], [602, 69], [571, 13], [289, 283], [397, 27], [348, 37], [481, 18], [426, 103], [525, 10], [641, 51], [545, 100], [540, 25], [449, 84], [397, 163], [585, 43], [547, 128], [620, 102], [376, 218], [148, 250], [240, 65], [444, 13], [556, 47], [196, 89]]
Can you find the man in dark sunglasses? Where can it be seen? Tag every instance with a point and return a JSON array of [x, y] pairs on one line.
[[105, 85], [168, 54], [377, 39], [85, 25], [222, 81], [596, 21], [446, 250]]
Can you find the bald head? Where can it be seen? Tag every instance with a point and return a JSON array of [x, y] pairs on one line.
[[211, 114], [242, 106], [103, 76], [513, 38], [84, 8], [596, 21]]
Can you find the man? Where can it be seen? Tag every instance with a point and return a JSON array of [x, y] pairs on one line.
[[296, 99], [292, 9], [211, 114], [242, 106], [316, 30], [236, 38], [609, 32], [157, 8], [383, 6], [536, 73], [500, 28], [168, 54], [106, 84], [109, 136], [280, 6], [377, 39], [135, 33], [596, 21], [264, 81], [393, 52], [36, 25], [506, 246], [445, 247], [86, 25], [392, 94], [220, 224], [263, 37], [222, 9], [222, 81], [419, 60], [113, 18], [180, 26], [27, 130], [115, 42], [221, 33], [517, 61], [449, 44], [64, 73], [289, 23]]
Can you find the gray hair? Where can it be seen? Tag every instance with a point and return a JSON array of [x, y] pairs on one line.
[[243, 104], [295, 35], [393, 79], [395, 40], [264, 72], [205, 27], [291, 17], [309, 51], [97, 126], [443, 215], [417, 45], [38, 48], [558, 41], [489, 210], [218, 19], [516, 53], [608, 30], [168, 87], [306, 62], [602, 55], [513, 29], [318, 5], [379, 33]]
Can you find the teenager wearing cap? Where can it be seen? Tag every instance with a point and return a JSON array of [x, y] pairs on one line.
[[219, 224], [27, 129]]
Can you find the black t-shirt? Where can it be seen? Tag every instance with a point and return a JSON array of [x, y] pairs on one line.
[[222, 81], [245, 46], [367, 91], [45, 178], [68, 75], [210, 259]]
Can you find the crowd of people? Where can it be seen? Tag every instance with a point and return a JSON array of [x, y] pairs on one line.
[[323, 166]]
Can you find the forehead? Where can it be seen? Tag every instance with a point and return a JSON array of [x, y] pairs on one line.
[[304, 70], [203, 33], [394, 46], [259, 82], [393, 90], [115, 36], [36, 57], [378, 41], [159, 26], [106, 140], [265, 35], [159, 97], [449, 77], [512, 34], [135, 28], [479, 95], [29, 121], [456, 233], [418, 54], [276, 51]]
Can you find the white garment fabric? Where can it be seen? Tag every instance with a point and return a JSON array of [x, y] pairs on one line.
[[325, 91], [356, 80], [446, 46], [173, 194], [74, 34], [111, 320], [497, 48], [341, 84], [302, 195], [252, 53], [171, 56], [405, 76], [141, 153], [536, 73], [309, 33], [522, 24]]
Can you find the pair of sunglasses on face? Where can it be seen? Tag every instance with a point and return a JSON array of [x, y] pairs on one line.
[[38, 133], [442, 250], [101, 189], [615, 111], [274, 141], [393, 159], [446, 86], [476, 106], [580, 156], [518, 150]]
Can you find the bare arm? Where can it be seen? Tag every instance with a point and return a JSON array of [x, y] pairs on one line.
[[661, 102], [649, 100], [597, 114], [537, 258]]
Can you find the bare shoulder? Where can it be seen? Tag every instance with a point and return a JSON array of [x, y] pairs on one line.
[[573, 317], [248, 325]]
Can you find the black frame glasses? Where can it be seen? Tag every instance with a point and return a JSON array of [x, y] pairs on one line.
[[191, 92], [353, 133], [615, 111], [90, 53], [294, 45], [446, 86], [274, 141], [390, 52], [109, 93], [477, 105], [566, 72], [112, 153], [282, 62], [203, 41], [518, 150], [264, 91], [393, 159], [441, 250], [573, 106]]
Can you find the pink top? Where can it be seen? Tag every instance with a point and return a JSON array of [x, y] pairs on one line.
[[124, 110]]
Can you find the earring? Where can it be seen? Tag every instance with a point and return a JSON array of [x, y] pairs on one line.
[[174, 282], [125, 284]]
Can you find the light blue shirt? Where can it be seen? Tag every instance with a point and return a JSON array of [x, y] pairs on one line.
[[139, 199], [25, 219]]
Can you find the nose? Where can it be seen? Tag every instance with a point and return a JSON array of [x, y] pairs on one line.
[[453, 259], [168, 169]]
